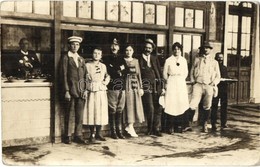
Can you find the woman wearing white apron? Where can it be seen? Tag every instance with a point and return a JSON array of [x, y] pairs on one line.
[[176, 96]]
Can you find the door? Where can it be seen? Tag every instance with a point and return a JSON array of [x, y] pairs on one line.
[[239, 57]]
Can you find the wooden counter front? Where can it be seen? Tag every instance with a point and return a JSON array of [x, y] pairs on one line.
[[26, 111]]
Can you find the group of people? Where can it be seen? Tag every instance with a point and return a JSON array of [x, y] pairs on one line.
[[123, 90]]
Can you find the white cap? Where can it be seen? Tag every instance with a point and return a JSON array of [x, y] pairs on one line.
[[75, 39]]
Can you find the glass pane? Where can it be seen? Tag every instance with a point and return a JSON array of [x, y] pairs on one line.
[[234, 40], [196, 42], [248, 42], [125, 13], [244, 24], [189, 16], [24, 6], [248, 28], [198, 18], [229, 40], [160, 40], [7, 6], [247, 53], [112, 11], [42, 7], [249, 5], [161, 15], [179, 14], [243, 41], [243, 53], [69, 8], [84, 9], [229, 23], [177, 38], [99, 10], [186, 46], [149, 13], [138, 12], [235, 23]]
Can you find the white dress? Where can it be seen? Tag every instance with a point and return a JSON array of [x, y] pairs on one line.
[[176, 95], [96, 106]]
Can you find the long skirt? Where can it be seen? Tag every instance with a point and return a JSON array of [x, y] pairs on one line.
[[134, 107], [176, 96], [96, 109]]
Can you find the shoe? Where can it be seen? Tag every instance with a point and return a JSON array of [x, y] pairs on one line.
[[79, 140], [132, 132], [213, 128], [114, 135], [204, 128], [67, 140], [158, 133], [100, 137], [187, 129], [127, 128], [120, 134], [224, 127], [149, 133]]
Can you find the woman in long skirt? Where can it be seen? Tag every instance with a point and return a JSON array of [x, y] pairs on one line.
[[134, 91], [96, 107], [176, 96]]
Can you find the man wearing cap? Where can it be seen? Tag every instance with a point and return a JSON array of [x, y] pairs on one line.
[[204, 76], [152, 85], [116, 90], [74, 75]]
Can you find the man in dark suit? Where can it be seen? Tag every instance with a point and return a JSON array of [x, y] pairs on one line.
[[25, 61], [74, 75], [222, 96], [152, 85], [116, 90]]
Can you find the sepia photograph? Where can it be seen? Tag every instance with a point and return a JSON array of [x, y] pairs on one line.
[[119, 83]]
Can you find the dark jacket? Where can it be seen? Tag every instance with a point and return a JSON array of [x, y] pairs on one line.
[[152, 74], [116, 74], [18, 68], [73, 77], [222, 86]]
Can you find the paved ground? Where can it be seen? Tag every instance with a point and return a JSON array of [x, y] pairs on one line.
[[238, 145]]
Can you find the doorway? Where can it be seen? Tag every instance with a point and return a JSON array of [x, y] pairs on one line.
[[239, 57]]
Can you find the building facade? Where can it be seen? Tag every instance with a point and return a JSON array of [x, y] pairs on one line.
[[36, 111]]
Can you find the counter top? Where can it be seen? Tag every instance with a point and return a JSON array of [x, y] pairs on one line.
[[25, 84]]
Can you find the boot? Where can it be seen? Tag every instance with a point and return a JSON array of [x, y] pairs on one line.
[[119, 126], [112, 123], [205, 120], [188, 119], [98, 134]]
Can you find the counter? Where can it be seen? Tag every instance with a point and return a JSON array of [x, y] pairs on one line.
[[26, 113]]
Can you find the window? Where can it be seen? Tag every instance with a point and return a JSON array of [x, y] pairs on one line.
[[190, 42], [37, 7], [122, 11], [190, 18]]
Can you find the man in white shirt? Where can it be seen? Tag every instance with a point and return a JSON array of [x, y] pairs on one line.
[[73, 72], [205, 76]]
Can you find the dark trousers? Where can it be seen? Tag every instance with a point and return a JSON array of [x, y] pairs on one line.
[[152, 110], [74, 105], [222, 96]]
